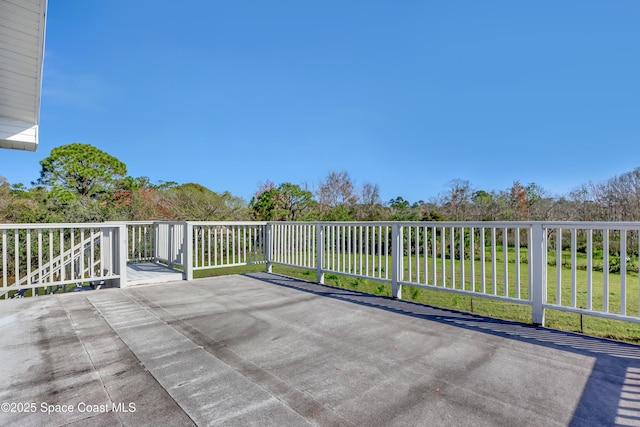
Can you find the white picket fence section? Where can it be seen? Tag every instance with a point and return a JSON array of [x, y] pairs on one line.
[[610, 251], [45, 257], [171, 243], [507, 261], [142, 245], [292, 244], [582, 267], [227, 244]]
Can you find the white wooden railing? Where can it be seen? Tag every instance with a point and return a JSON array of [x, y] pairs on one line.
[[142, 237], [45, 258], [607, 281], [171, 243], [582, 267], [227, 244]]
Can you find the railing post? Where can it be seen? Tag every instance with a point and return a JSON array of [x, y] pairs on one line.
[[170, 244], [120, 251], [397, 261], [320, 253], [156, 240], [538, 276], [187, 246], [269, 247], [107, 250], [106, 240]]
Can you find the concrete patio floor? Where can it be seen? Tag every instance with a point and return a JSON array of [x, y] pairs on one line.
[[261, 349]]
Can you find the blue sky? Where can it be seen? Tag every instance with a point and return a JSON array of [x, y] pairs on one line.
[[408, 95]]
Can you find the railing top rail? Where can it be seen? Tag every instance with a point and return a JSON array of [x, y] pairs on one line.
[[149, 222], [477, 224], [594, 225], [57, 225], [169, 222], [229, 222]]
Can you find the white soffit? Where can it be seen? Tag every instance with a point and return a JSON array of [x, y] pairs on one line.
[[22, 30]]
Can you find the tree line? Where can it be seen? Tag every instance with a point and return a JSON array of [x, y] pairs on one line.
[[80, 183]]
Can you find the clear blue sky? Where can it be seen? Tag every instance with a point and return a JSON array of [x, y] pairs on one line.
[[408, 95]]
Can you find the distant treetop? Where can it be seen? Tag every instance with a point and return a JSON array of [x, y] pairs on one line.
[[80, 170]]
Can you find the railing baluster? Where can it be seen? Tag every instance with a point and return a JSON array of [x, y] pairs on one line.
[[443, 257], [275, 242], [425, 251], [200, 233], [302, 238], [505, 260], [531, 261], [4, 259], [39, 255], [209, 247], [462, 252], [286, 243], [51, 258], [292, 244], [311, 245], [16, 241], [304, 250], [416, 232], [332, 242], [605, 270], [288, 251], [227, 243], [452, 256], [366, 250], [28, 254], [434, 250], [623, 272], [559, 266], [387, 256], [494, 262], [483, 260], [132, 237], [516, 244], [82, 241], [574, 261], [408, 249], [238, 230], [216, 246], [347, 251], [377, 265], [367, 269], [589, 269], [252, 249]]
